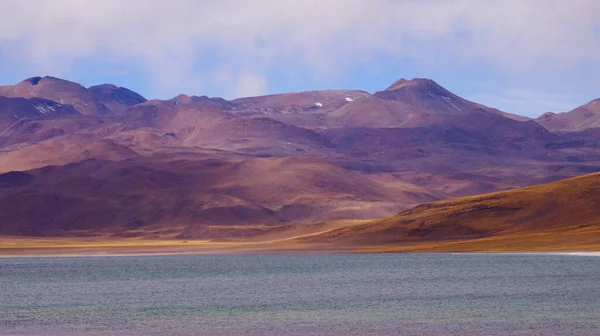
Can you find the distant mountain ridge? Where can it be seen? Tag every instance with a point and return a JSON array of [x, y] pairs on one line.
[[426, 95], [97, 100], [579, 119], [115, 98], [276, 160]]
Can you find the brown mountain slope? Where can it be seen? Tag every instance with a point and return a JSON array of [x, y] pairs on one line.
[[14, 109], [372, 111], [583, 117], [182, 124], [32, 131], [545, 212], [188, 195], [115, 98], [442, 143], [346, 108], [209, 122], [180, 112], [59, 90], [310, 109], [416, 138], [425, 95], [61, 152], [299, 101]]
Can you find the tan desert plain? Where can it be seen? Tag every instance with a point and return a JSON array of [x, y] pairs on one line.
[[412, 168]]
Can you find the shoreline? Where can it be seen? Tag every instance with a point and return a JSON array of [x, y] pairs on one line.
[[67, 253], [58, 247], [283, 252], [20, 247], [257, 251]]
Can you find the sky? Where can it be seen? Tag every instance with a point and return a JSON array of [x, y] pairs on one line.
[[521, 56]]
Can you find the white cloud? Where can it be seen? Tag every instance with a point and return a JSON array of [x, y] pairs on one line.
[[168, 37], [250, 85], [529, 103]]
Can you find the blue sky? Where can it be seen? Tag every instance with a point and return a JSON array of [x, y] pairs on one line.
[[521, 56]]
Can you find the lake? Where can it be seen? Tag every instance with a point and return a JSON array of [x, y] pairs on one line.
[[311, 294]]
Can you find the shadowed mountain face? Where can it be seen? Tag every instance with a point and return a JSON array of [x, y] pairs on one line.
[[13, 109], [187, 195], [115, 98], [105, 158]]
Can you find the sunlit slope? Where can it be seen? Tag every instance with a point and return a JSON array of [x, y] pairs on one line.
[[561, 214]]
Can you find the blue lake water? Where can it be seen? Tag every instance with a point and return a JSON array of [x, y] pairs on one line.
[[344, 294]]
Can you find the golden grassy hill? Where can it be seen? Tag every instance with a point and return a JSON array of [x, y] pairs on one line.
[[563, 215]]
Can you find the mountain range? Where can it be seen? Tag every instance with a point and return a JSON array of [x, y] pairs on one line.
[[105, 160]]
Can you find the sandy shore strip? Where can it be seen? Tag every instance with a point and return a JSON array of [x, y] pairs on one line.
[[75, 247], [104, 247]]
